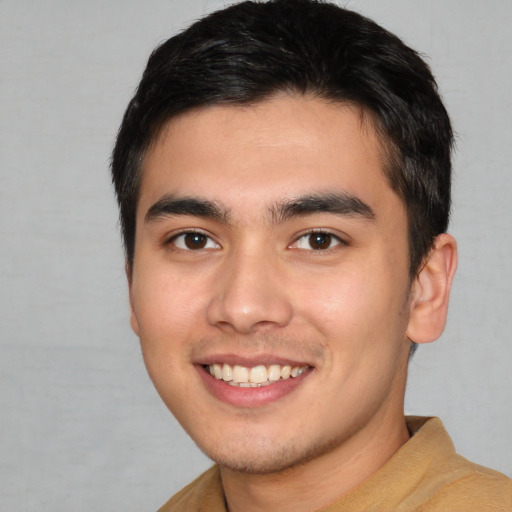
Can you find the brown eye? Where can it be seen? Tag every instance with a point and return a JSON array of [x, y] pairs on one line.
[[193, 241], [319, 241]]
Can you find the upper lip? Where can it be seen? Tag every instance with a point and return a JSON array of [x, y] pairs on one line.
[[250, 361]]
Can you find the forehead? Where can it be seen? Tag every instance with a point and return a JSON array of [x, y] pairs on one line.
[[280, 147]]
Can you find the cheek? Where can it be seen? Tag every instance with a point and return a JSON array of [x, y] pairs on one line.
[[166, 315], [355, 307], [167, 306], [337, 298]]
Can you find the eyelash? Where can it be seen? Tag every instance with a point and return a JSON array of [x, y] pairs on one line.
[[332, 238], [208, 240]]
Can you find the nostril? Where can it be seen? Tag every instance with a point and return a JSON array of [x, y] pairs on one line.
[[247, 316], [249, 294]]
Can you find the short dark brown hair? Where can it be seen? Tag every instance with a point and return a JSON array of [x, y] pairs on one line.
[[252, 50]]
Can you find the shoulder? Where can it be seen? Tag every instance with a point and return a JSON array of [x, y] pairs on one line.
[[203, 494], [451, 482], [468, 487]]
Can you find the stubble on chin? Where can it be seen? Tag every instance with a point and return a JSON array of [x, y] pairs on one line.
[[265, 457]]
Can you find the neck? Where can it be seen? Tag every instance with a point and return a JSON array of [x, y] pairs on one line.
[[322, 480]]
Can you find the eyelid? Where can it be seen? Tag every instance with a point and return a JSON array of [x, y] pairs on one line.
[[339, 237], [170, 239]]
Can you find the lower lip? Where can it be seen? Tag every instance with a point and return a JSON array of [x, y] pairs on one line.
[[250, 397]]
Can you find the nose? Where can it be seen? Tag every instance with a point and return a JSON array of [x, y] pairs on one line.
[[250, 295]]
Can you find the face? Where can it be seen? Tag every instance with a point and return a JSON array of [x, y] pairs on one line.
[[270, 280]]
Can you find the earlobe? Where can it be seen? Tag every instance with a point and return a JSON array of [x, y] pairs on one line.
[[430, 291], [134, 323]]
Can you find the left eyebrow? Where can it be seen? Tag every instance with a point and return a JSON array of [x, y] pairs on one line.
[[337, 203]]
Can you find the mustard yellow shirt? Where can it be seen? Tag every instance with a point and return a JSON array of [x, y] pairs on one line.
[[424, 475]]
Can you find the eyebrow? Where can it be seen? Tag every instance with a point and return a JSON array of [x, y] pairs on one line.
[[170, 205], [337, 203]]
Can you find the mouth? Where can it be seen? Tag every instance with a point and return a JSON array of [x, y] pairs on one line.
[[254, 384], [255, 376]]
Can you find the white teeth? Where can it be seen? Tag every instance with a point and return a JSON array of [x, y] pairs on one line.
[[274, 372], [240, 374], [217, 371], [227, 373], [256, 376], [296, 371]]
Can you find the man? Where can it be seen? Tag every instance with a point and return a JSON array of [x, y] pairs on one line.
[[283, 176]]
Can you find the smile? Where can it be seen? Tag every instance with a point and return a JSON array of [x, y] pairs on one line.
[[255, 376]]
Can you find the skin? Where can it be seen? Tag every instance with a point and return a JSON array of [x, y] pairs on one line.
[[258, 291]]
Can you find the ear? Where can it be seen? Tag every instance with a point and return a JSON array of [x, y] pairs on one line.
[[430, 291], [134, 323]]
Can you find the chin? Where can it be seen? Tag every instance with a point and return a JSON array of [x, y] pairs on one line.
[[266, 456]]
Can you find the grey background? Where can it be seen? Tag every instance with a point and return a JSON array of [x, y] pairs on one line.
[[81, 427]]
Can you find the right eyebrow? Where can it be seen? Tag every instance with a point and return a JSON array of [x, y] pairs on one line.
[[170, 205]]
